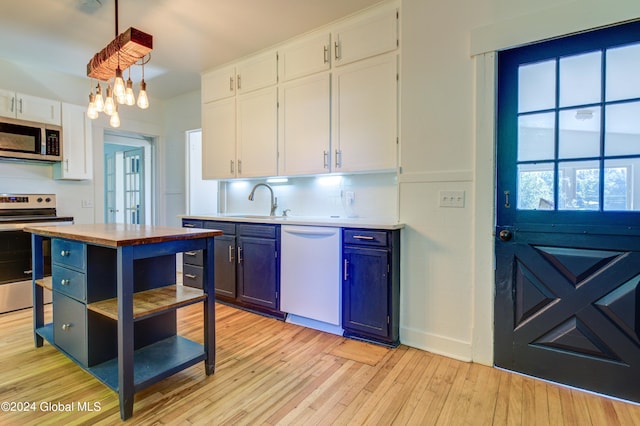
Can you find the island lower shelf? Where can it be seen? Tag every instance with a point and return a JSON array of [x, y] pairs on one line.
[[151, 363]]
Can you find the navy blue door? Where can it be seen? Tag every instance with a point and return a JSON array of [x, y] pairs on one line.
[[568, 211]]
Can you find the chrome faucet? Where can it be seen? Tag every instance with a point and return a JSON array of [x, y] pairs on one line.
[[274, 200]]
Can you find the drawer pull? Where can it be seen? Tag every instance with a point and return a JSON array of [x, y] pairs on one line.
[[65, 253], [190, 253], [191, 276], [66, 327], [189, 225], [363, 237], [65, 282]]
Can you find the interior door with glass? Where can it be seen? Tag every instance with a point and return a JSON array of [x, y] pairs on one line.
[[134, 186], [567, 242]]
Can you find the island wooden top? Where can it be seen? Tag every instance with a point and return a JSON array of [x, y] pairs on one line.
[[120, 234]]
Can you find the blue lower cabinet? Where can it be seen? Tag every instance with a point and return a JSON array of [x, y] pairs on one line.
[[371, 285]]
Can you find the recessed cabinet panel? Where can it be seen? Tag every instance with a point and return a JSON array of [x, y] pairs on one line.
[[305, 126], [366, 37], [257, 72], [257, 133], [218, 84], [365, 115], [219, 139], [305, 57]]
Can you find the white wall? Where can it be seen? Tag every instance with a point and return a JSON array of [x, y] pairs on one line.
[[447, 114]]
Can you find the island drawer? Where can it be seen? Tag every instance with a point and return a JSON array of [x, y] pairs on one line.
[[192, 275], [193, 257], [69, 253], [365, 237], [70, 326], [70, 282], [190, 223]]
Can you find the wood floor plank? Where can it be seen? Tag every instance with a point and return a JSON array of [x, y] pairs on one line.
[[269, 372]]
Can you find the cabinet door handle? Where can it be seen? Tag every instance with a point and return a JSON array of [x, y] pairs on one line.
[[326, 54], [231, 169], [239, 83], [190, 253], [336, 50], [231, 84], [191, 276], [346, 270], [65, 253], [239, 255], [65, 282], [66, 326], [363, 237], [231, 254], [338, 158], [326, 159], [13, 104], [239, 167], [20, 106]]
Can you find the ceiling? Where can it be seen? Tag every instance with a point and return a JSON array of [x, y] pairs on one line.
[[189, 36]]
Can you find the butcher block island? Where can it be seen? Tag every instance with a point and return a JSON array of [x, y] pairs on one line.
[[115, 299]]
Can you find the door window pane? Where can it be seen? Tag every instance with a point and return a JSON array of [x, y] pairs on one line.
[[535, 186], [580, 79], [622, 129], [536, 136], [537, 86], [579, 185], [618, 186], [623, 78], [579, 133]]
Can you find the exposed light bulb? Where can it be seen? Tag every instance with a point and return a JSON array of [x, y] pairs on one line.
[[109, 105], [130, 98], [143, 100], [114, 121], [118, 84], [99, 100], [92, 113]]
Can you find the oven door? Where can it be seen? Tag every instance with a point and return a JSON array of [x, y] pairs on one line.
[[15, 256]]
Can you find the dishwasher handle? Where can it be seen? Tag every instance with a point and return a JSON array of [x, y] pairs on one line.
[[310, 232]]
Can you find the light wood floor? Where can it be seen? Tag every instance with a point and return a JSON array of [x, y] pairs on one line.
[[271, 372]]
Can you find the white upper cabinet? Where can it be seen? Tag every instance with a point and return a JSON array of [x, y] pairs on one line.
[[257, 133], [372, 34], [218, 84], [365, 115], [77, 144], [257, 72], [219, 139], [31, 108], [305, 126], [309, 55]]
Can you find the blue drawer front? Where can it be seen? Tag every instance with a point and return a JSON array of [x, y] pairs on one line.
[[69, 253], [70, 327], [226, 227], [363, 237], [70, 282], [263, 231]]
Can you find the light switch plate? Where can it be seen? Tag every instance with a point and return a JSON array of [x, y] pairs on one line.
[[452, 199]]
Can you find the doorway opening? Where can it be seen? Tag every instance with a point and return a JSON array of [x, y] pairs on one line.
[[128, 182]]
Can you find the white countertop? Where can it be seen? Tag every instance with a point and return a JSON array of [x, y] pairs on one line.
[[342, 222]]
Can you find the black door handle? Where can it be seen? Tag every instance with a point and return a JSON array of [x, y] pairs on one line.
[[505, 235]]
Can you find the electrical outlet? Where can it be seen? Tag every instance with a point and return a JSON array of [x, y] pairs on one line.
[[87, 204], [349, 197], [451, 198]]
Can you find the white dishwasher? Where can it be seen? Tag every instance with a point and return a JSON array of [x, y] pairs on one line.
[[310, 277]]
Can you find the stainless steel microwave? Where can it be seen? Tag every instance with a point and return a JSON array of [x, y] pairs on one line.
[[29, 140]]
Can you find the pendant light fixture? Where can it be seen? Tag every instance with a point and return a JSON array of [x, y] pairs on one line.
[[132, 47]]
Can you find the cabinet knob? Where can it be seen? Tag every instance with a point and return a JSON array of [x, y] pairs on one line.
[[64, 253], [66, 327], [65, 282]]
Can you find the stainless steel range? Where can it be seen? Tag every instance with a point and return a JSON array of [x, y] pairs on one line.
[[16, 212]]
